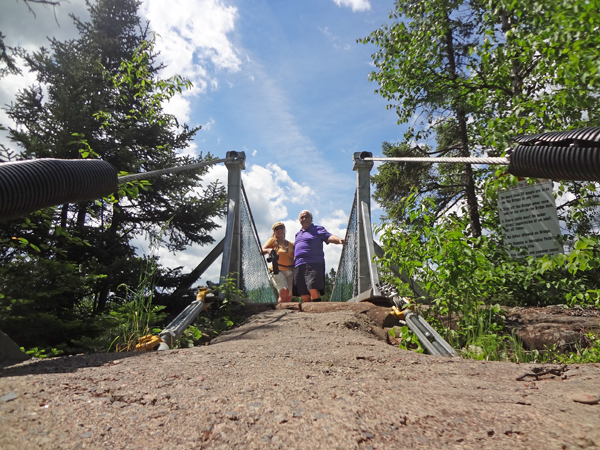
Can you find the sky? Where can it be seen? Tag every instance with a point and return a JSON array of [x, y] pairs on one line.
[[284, 81]]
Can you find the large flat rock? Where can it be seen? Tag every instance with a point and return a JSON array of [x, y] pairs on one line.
[[542, 328], [293, 380]]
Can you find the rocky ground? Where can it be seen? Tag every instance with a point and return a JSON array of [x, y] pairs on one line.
[[295, 379]]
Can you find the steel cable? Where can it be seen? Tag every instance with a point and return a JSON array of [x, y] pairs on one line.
[[443, 160], [29, 185], [556, 163], [156, 173], [26, 186]]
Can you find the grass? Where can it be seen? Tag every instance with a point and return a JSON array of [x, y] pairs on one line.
[[135, 318]]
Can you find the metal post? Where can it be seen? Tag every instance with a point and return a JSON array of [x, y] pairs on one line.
[[363, 194], [231, 263], [370, 248]]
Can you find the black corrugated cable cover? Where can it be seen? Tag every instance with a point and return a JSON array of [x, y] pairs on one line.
[[556, 163], [26, 186]]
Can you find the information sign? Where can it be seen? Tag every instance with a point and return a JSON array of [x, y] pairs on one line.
[[529, 220]]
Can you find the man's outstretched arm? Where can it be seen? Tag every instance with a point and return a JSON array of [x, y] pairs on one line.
[[335, 240]]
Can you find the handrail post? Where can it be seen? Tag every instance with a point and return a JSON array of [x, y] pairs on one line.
[[363, 194], [232, 251]]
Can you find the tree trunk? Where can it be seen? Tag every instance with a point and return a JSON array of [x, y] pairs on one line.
[[468, 179], [517, 68], [102, 298]]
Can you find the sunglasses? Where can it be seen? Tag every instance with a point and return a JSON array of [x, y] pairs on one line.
[[279, 228]]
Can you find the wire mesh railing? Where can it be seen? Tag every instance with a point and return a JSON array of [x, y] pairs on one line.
[[346, 280], [255, 277]]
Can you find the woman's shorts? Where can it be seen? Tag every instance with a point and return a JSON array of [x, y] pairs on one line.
[[284, 279], [309, 276]]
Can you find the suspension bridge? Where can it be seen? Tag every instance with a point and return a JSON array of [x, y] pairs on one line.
[[26, 186]]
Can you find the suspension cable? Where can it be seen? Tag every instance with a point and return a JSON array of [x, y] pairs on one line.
[[29, 185], [156, 173], [443, 160]]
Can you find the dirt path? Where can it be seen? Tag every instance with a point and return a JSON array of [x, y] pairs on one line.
[[288, 379]]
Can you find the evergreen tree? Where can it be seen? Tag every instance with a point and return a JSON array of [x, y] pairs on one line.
[[99, 96]]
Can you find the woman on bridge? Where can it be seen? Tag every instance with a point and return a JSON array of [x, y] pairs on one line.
[[284, 280]]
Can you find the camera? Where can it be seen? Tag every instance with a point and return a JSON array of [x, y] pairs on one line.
[[274, 258]]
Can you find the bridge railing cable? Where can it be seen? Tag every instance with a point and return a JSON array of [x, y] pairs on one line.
[[443, 159]]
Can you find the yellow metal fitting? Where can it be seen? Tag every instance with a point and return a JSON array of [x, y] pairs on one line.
[[397, 313], [202, 291], [147, 343]]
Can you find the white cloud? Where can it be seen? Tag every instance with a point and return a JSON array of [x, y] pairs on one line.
[[208, 124], [334, 39], [336, 224], [9, 87], [356, 5], [191, 150], [193, 31], [193, 41], [254, 152], [178, 106], [287, 142], [28, 31]]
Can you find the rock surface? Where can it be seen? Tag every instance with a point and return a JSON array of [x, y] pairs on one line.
[[541, 328], [290, 379], [10, 351]]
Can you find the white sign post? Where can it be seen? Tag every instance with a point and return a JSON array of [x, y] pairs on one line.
[[529, 220]]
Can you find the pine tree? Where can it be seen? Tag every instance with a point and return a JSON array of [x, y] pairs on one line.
[[99, 96]]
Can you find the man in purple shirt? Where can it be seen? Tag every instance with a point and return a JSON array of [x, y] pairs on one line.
[[309, 270]]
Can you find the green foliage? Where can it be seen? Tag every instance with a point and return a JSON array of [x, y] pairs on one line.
[[8, 55], [473, 74], [590, 354], [40, 305], [329, 283], [468, 75], [221, 315], [422, 63], [467, 277], [498, 347], [408, 339], [228, 291], [190, 338], [43, 353], [101, 98], [136, 314]]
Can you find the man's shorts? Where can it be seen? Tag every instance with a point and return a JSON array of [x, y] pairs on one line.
[[309, 276], [284, 279]]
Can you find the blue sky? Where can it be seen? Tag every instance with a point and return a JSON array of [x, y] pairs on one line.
[[284, 81]]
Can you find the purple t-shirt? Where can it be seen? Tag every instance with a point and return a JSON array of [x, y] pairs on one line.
[[308, 247]]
